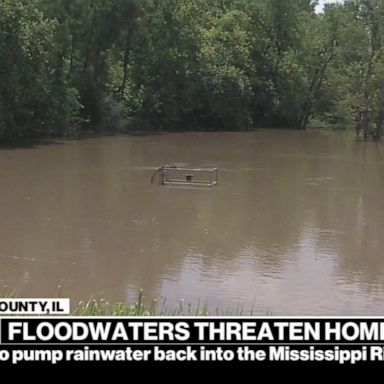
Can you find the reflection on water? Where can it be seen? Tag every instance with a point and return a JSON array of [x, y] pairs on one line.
[[295, 226]]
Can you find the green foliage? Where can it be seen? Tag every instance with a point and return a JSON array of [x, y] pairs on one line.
[[72, 66], [34, 99], [355, 80]]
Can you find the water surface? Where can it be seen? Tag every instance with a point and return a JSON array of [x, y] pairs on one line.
[[295, 227]]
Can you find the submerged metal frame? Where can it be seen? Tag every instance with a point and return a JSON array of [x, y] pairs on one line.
[[162, 176]]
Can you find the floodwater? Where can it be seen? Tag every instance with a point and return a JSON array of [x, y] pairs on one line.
[[295, 226]]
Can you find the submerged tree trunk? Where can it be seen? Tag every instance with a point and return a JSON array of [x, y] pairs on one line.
[[314, 88], [378, 132], [364, 122], [365, 127], [379, 122], [369, 102]]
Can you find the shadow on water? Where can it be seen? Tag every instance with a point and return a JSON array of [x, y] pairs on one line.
[[35, 143], [28, 144]]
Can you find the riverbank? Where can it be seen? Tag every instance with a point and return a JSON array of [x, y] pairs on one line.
[[94, 307], [102, 307]]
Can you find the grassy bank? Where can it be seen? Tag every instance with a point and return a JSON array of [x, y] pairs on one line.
[[102, 307], [94, 307]]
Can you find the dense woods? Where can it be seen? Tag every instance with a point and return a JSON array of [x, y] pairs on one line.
[[76, 66]]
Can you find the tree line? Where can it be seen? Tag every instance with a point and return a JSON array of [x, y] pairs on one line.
[[76, 66]]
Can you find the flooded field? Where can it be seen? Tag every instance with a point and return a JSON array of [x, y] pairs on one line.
[[295, 226]]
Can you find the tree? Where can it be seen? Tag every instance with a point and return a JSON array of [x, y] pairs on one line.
[[357, 76], [33, 98]]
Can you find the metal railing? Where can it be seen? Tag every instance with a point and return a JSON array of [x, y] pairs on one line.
[[186, 176]]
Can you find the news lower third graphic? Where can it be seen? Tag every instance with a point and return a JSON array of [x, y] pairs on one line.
[[58, 340], [12, 306]]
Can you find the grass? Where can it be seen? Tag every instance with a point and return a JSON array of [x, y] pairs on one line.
[[94, 307], [101, 307]]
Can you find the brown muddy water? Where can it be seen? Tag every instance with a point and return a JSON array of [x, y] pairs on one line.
[[295, 227]]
